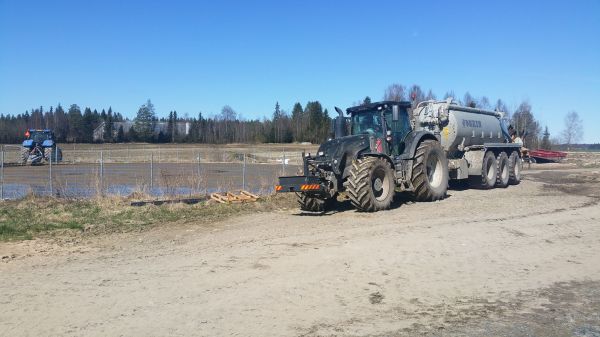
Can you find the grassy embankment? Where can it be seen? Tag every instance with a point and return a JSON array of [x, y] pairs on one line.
[[41, 217]]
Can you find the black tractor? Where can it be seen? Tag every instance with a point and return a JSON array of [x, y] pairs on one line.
[[382, 154]]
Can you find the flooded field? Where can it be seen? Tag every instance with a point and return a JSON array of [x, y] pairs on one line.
[[121, 169]]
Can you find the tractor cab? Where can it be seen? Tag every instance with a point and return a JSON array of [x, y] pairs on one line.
[[388, 122], [39, 136]]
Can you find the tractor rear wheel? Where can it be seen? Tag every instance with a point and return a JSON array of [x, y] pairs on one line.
[[313, 204], [489, 172], [515, 164], [429, 172], [48, 154], [370, 185], [53, 154], [24, 156], [503, 170]]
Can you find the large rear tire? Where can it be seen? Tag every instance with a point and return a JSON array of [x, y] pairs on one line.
[[53, 155], [503, 170], [312, 204], [24, 156], [489, 172], [48, 154], [515, 165], [370, 185], [430, 172]]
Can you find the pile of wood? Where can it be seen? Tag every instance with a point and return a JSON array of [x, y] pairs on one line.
[[231, 197]]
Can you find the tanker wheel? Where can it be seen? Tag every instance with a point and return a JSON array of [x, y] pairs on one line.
[[370, 185], [24, 156], [313, 204], [430, 172], [503, 170], [489, 169], [515, 165]]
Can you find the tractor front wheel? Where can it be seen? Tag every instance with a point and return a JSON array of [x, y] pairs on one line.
[[370, 185], [313, 204], [24, 156]]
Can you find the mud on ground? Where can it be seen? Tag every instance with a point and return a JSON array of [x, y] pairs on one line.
[[521, 261]]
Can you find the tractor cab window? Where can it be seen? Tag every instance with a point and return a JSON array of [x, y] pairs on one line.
[[399, 128], [39, 137], [367, 122]]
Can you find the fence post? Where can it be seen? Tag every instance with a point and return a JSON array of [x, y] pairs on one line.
[[51, 187], [151, 171], [101, 173], [244, 173], [2, 174], [283, 162], [199, 173]]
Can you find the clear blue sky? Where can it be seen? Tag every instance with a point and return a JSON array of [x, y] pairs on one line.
[[194, 56]]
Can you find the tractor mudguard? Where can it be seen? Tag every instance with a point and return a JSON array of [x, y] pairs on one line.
[[412, 141], [28, 143], [48, 143]]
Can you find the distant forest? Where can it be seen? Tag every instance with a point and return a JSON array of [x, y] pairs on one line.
[[308, 123]]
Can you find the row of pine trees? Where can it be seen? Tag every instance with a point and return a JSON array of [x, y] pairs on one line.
[[308, 123]]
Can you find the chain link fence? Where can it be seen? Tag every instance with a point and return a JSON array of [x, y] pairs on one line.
[[159, 172]]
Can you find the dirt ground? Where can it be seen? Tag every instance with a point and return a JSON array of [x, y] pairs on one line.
[[521, 261]]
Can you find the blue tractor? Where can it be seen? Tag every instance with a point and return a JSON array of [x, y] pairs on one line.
[[39, 146]]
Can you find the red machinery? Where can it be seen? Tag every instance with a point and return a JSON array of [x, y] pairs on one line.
[[545, 156]]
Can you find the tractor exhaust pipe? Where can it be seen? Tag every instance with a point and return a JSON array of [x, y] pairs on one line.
[[340, 123]]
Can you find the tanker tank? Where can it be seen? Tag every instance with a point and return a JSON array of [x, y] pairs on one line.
[[460, 127]]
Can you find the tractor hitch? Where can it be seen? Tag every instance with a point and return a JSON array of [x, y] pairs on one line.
[[309, 184]]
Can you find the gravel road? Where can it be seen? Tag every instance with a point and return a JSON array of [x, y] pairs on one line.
[[521, 261]]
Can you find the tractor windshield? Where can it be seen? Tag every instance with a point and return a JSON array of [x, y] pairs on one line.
[[367, 122], [39, 137]]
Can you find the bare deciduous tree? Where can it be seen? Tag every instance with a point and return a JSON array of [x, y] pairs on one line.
[[526, 125], [430, 95], [573, 131], [416, 94], [501, 106], [450, 94], [469, 100], [484, 103], [395, 92]]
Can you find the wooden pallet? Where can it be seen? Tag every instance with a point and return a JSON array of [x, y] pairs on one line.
[[230, 197]]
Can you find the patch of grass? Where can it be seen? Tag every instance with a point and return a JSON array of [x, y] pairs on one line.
[[34, 217], [24, 219]]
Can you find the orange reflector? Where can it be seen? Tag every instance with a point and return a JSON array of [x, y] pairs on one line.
[[310, 187], [278, 188]]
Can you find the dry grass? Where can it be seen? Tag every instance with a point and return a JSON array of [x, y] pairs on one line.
[[37, 217]]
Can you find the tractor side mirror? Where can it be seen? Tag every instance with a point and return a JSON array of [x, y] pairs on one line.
[[395, 113]]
